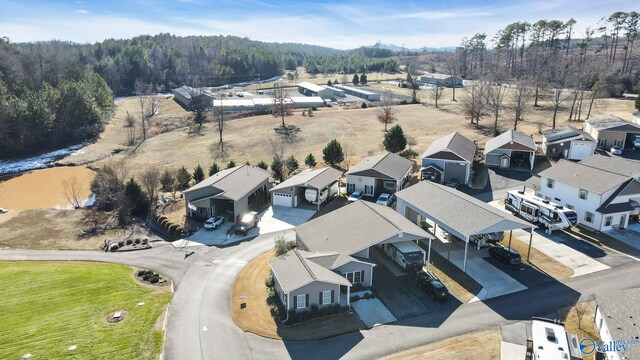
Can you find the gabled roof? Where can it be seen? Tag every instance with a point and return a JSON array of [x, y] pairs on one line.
[[314, 178], [234, 183], [565, 133], [612, 123], [387, 164], [455, 143], [583, 176], [312, 87], [630, 187], [355, 227], [511, 140], [458, 212], [614, 164], [295, 269], [186, 91]]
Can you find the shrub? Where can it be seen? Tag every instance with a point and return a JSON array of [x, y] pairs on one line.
[[365, 296], [304, 315], [178, 231], [160, 218], [314, 310], [356, 297], [172, 228], [324, 311], [165, 223], [403, 102], [129, 242], [145, 241], [314, 108], [292, 316], [409, 154], [136, 241], [337, 309], [275, 311], [121, 243], [372, 296], [268, 282], [364, 105]]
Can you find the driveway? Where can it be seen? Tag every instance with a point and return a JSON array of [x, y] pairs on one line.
[[274, 219], [372, 312]]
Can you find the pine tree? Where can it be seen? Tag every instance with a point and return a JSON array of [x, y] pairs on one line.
[[332, 154], [214, 169], [329, 83], [291, 163], [262, 165], [183, 177], [138, 202], [310, 161], [167, 179], [394, 140], [355, 80], [363, 79], [277, 166], [198, 174], [231, 164]]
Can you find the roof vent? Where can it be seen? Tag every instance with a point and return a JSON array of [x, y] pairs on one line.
[[520, 192], [545, 201]]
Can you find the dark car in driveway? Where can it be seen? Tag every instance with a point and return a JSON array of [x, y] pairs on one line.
[[505, 254], [432, 286]]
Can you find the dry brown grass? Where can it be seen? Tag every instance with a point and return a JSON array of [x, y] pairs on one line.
[[540, 260], [587, 329], [464, 290], [256, 316], [478, 345]]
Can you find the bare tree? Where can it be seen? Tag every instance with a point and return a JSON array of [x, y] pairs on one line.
[[198, 105], [386, 115], [560, 77], [219, 117], [73, 191], [148, 105], [150, 181], [349, 152], [96, 221], [520, 98], [474, 102], [282, 104], [436, 93], [495, 103], [132, 131]]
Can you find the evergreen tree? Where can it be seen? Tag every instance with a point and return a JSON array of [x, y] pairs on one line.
[[214, 169], [137, 200], [363, 79], [198, 174], [394, 140], [183, 177], [332, 154], [310, 161], [355, 80], [231, 164], [292, 163], [167, 179], [262, 165], [277, 166], [329, 83]]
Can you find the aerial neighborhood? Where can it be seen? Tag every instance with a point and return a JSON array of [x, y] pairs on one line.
[[215, 196]]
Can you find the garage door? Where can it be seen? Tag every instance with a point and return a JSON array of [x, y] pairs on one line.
[[282, 200], [580, 150]]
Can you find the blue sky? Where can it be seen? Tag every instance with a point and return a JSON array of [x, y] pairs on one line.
[[339, 24]]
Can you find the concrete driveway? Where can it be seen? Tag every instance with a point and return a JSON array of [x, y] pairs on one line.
[[372, 312], [629, 236], [275, 218]]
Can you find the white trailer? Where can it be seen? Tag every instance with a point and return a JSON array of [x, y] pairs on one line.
[[408, 255], [311, 195], [539, 211]]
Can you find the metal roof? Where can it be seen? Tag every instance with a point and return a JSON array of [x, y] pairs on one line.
[[457, 212], [455, 143], [294, 270], [510, 137], [311, 87], [314, 178], [565, 133], [583, 176], [361, 91], [356, 227], [233, 183], [389, 164]]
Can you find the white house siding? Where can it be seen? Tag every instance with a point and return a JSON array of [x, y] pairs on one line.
[[354, 266], [359, 182], [568, 195]]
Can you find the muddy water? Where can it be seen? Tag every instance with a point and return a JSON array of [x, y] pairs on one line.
[[43, 189]]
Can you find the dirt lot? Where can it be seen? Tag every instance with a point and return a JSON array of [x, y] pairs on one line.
[[479, 345], [539, 259], [248, 139], [256, 318], [586, 328]]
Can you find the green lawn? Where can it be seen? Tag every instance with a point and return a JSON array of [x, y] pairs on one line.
[[46, 307]]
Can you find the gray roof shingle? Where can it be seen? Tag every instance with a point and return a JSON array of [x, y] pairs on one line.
[[295, 269], [508, 137], [621, 312], [315, 178], [233, 183], [611, 122], [462, 214], [583, 176], [614, 164], [389, 164], [454, 142]]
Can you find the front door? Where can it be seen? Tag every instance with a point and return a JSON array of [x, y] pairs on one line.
[[623, 219]]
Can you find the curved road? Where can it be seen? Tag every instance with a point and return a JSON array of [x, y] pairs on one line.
[[200, 325]]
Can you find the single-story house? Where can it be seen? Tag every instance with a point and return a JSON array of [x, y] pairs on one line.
[[447, 158], [616, 318], [292, 192], [611, 130], [510, 150], [602, 199], [457, 213], [335, 247], [382, 173], [189, 97], [229, 193], [567, 142], [441, 80]]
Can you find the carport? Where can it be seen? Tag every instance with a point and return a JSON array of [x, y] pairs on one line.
[[292, 192], [456, 213]]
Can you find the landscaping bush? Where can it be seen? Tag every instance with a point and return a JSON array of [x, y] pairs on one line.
[[366, 296], [165, 223], [172, 228], [364, 105], [372, 296], [145, 241], [403, 102], [337, 309], [121, 243], [178, 231], [114, 247], [292, 317], [275, 311], [314, 310], [136, 241], [314, 108], [268, 282], [160, 218], [324, 311], [129, 242]]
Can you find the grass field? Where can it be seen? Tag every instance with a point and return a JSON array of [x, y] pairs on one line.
[[48, 306]]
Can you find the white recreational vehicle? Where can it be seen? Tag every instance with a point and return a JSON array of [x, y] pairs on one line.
[[539, 211]]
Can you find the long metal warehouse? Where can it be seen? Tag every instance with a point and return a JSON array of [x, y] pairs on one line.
[[363, 94], [455, 212]]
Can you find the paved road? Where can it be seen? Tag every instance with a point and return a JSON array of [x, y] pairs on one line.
[[200, 325]]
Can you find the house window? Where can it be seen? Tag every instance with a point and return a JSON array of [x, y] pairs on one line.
[[326, 297], [354, 277], [608, 220], [351, 187], [301, 301], [548, 198], [588, 217], [550, 183], [602, 143], [570, 207], [618, 142], [582, 194]]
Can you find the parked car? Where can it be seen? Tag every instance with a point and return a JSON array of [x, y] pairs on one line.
[[240, 94], [247, 222], [230, 94], [454, 183], [386, 199], [616, 150], [432, 286], [355, 196], [636, 142], [213, 222], [3, 210], [505, 254]]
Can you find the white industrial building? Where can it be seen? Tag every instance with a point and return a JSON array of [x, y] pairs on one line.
[[363, 94], [336, 92], [441, 80], [265, 103], [309, 89]]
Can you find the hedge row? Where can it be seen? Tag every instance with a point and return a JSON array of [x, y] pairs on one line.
[[172, 228]]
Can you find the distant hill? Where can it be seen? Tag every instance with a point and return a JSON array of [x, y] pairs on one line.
[[397, 48]]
